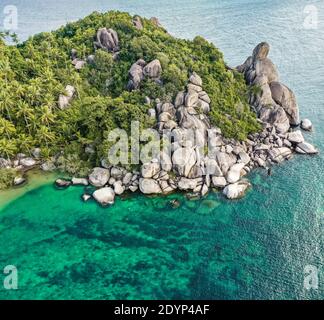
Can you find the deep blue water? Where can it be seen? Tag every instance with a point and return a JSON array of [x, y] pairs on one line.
[[257, 247]]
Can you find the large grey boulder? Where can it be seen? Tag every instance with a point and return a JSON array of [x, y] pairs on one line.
[[166, 162], [149, 170], [225, 161], [236, 190], [19, 180], [48, 166], [27, 162], [107, 39], [119, 188], [99, 177], [279, 154], [275, 103], [306, 125], [137, 22], [195, 79], [295, 137], [191, 99], [219, 182], [306, 148], [149, 186], [284, 97], [187, 184], [212, 168], [276, 116], [234, 173], [153, 70], [104, 196], [80, 181], [136, 74], [183, 160]]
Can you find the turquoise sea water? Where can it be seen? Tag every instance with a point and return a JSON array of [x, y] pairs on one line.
[[141, 247]]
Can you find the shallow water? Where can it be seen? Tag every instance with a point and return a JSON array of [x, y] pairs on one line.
[[256, 247]]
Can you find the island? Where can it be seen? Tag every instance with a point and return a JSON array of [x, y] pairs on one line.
[[119, 105]]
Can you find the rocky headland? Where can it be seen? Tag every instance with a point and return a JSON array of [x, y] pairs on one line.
[[199, 156]]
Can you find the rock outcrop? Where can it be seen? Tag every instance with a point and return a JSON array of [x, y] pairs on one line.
[[140, 69], [107, 39], [274, 102]]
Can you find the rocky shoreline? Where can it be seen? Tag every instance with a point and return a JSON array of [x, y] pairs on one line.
[[187, 166]]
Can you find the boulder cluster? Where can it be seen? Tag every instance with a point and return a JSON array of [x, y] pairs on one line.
[[185, 165], [274, 102], [141, 70]]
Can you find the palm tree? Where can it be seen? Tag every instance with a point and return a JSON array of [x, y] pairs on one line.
[[25, 112], [6, 103], [44, 135], [7, 128], [7, 148], [25, 143], [46, 115]]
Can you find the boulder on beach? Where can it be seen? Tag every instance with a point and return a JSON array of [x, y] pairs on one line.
[[19, 180], [62, 183], [219, 182], [149, 186], [306, 125], [104, 196], [99, 177], [236, 190], [234, 173], [27, 162], [295, 137], [80, 181], [306, 148]]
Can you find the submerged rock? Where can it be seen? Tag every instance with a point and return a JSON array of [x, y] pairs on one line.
[[86, 197], [19, 180], [62, 183]]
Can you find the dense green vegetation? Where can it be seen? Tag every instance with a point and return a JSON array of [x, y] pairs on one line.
[[6, 178], [33, 74]]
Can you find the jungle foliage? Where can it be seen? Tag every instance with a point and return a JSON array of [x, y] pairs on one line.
[[34, 73]]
